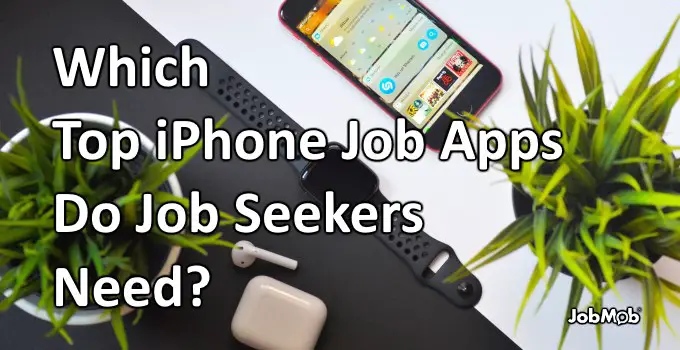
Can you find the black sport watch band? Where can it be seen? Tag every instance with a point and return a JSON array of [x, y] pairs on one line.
[[242, 99], [419, 250], [246, 103]]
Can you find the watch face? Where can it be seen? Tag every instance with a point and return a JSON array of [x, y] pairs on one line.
[[350, 180]]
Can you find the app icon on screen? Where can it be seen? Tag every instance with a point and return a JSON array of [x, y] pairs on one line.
[[418, 103], [412, 110], [387, 86], [432, 94], [423, 44], [432, 34], [459, 63], [445, 78], [317, 36]]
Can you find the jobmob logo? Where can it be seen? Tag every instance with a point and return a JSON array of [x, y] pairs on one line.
[[606, 316]]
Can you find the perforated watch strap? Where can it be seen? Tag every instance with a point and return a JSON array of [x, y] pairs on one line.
[[419, 250], [240, 98]]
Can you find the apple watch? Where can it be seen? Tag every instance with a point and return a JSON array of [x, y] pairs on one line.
[[351, 181]]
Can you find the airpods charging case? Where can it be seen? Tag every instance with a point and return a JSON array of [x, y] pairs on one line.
[[275, 316]]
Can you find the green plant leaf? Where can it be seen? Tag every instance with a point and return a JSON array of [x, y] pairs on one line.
[[61, 323], [627, 179], [26, 269], [156, 174], [660, 307], [574, 300], [618, 244], [48, 134], [129, 201], [7, 280], [556, 270], [8, 159], [643, 78], [11, 254], [94, 255], [561, 92], [542, 87], [557, 178], [597, 307], [649, 309], [598, 249], [669, 294], [588, 64], [569, 258], [119, 328], [138, 316], [17, 149], [59, 179], [36, 224], [514, 237], [80, 178], [116, 116], [540, 226], [19, 292], [528, 98], [531, 286], [618, 134], [655, 113], [75, 258], [648, 198]]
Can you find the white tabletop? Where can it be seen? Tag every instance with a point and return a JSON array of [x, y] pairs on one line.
[[463, 207]]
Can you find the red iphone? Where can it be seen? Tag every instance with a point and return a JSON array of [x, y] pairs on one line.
[[401, 55]]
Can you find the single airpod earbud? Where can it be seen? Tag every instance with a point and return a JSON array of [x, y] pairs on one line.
[[245, 254]]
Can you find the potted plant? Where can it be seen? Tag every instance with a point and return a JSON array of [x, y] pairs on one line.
[[32, 172], [610, 206]]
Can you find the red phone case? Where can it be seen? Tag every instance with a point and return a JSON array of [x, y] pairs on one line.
[[360, 87]]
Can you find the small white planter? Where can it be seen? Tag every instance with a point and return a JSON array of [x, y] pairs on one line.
[[94, 316]]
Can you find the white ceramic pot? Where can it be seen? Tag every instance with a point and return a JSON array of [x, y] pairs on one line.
[[93, 316]]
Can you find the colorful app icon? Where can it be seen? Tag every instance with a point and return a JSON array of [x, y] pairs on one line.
[[426, 110], [413, 109], [432, 94], [423, 44], [432, 34], [445, 78], [317, 36], [459, 63], [387, 86]]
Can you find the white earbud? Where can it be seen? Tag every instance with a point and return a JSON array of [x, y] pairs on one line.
[[245, 254]]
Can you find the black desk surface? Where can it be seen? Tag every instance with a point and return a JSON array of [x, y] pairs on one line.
[[373, 300]]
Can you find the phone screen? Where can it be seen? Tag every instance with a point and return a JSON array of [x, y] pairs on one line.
[[395, 50]]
